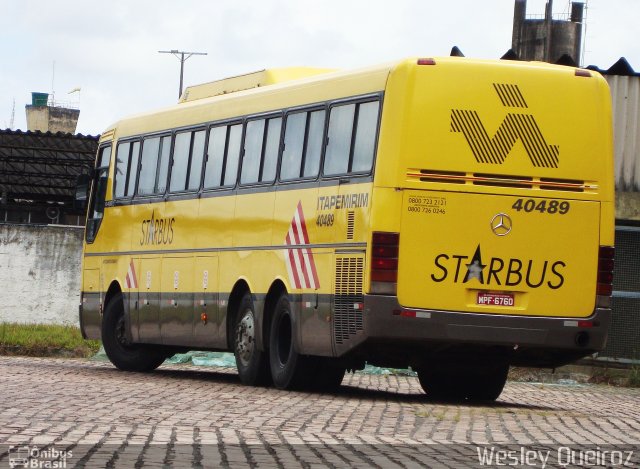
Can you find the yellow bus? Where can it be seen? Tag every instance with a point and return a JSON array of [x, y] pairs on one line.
[[451, 215]]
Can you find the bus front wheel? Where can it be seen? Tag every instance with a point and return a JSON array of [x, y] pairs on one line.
[[122, 353], [288, 368], [252, 364]]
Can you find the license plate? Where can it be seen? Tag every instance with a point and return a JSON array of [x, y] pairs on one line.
[[495, 299]]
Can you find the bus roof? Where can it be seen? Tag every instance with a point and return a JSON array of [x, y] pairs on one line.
[[248, 81], [263, 91]]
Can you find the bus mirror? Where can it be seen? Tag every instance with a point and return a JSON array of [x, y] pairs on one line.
[[102, 183], [82, 192]]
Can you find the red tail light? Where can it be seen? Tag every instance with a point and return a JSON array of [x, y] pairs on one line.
[[426, 61], [384, 262], [604, 289]]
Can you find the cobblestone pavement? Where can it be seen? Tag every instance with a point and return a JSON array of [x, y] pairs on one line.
[[82, 413]]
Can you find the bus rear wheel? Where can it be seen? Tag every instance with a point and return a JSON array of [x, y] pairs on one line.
[[289, 369], [122, 353], [455, 383], [252, 364], [327, 374]]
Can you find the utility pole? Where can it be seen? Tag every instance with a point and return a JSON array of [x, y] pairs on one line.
[[182, 56], [13, 114]]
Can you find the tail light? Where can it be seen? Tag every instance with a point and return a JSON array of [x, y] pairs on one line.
[[604, 287], [426, 61], [384, 263]]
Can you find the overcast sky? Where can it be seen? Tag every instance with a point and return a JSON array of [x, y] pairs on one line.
[[109, 48]]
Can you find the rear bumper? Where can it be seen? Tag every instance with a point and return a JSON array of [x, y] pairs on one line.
[[527, 336]]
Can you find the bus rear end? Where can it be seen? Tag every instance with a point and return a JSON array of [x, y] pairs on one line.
[[492, 219]]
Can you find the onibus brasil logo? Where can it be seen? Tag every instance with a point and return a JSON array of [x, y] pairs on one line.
[[516, 126]]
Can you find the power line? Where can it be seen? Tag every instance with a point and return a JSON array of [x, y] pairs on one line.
[[182, 56]]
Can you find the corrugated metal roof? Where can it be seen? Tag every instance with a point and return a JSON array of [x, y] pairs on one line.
[[43, 166], [624, 82]]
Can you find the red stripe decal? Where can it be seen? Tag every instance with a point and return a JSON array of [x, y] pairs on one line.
[[294, 270], [303, 223], [314, 272], [135, 276], [303, 267], [300, 262]]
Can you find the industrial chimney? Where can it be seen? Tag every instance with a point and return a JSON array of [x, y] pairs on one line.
[[542, 38]]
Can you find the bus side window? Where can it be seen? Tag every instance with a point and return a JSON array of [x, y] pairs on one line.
[[120, 173], [339, 146], [252, 151], [365, 141], [215, 157], [352, 138], [293, 146], [133, 168], [315, 138], [163, 170], [127, 157], [261, 147], [271, 150], [148, 166], [195, 165], [180, 163], [230, 168]]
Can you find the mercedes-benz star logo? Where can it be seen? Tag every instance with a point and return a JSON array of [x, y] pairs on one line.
[[501, 224]]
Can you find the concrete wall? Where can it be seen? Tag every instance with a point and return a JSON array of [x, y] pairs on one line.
[[628, 205], [52, 119], [40, 273]]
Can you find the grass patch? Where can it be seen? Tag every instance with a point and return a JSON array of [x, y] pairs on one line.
[[625, 376], [45, 340]]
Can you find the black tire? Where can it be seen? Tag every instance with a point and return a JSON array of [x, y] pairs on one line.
[[289, 369], [326, 374], [482, 383], [252, 364], [123, 354], [489, 383]]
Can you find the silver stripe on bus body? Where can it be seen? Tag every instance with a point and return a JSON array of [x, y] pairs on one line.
[[222, 249]]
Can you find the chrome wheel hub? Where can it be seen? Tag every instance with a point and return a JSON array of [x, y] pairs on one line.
[[245, 338]]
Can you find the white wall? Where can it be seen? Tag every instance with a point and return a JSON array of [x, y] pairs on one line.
[[40, 273]]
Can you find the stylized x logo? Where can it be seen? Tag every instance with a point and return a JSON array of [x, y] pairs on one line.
[[515, 126]]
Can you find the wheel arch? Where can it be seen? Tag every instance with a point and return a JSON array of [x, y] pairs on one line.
[[114, 289]]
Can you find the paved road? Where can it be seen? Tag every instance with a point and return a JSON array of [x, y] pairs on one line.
[[184, 416]]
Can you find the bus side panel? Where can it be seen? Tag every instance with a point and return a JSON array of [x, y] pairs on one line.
[[176, 305], [149, 300], [214, 231], [207, 327], [306, 269]]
